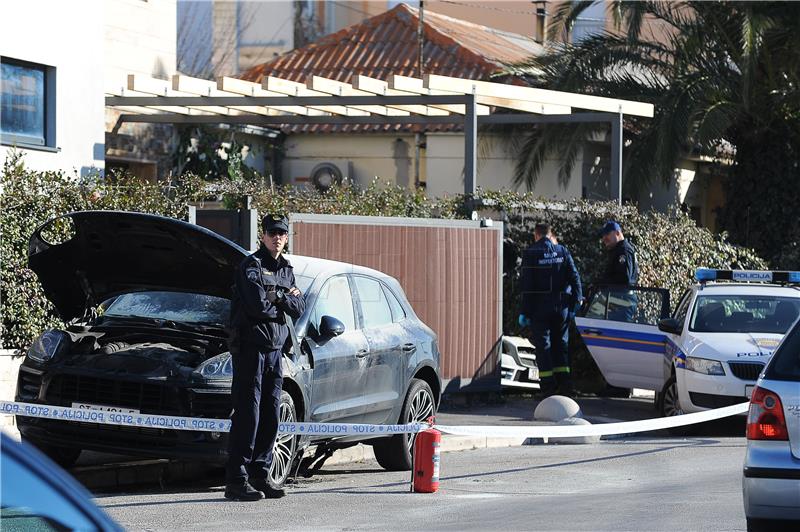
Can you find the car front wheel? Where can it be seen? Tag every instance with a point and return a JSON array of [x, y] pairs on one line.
[[395, 453], [285, 445]]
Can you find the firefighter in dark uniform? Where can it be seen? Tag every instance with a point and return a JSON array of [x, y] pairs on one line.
[[264, 292], [551, 290], [621, 266], [621, 270]]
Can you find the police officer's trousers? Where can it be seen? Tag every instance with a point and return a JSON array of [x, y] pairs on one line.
[[256, 395], [550, 337]]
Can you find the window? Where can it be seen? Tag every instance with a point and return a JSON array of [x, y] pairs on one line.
[[26, 103], [398, 314], [374, 306], [172, 306], [683, 307], [744, 314], [334, 300], [786, 360], [641, 305]]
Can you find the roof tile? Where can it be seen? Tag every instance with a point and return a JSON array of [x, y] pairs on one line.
[[387, 44]]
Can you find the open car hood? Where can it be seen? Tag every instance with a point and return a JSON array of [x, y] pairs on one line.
[[113, 252]]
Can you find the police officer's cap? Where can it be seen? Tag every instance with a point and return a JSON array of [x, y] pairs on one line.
[[275, 222], [610, 227]]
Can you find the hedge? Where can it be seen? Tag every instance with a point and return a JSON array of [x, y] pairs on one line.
[[670, 246]]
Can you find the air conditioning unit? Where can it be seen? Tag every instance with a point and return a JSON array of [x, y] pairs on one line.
[[318, 173]]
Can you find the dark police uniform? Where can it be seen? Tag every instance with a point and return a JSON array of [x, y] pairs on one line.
[[621, 266], [258, 334], [551, 287], [622, 269]]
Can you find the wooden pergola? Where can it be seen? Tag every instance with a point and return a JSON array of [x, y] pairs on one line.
[[433, 99]]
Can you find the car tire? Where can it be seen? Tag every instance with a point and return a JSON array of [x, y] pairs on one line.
[[395, 453], [285, 449], [669, 405]]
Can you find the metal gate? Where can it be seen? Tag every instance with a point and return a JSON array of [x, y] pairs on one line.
[[451, 271]]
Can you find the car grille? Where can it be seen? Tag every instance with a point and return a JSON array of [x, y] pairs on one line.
[[746, 370], [28, 385], [67, 389], [211, 405]]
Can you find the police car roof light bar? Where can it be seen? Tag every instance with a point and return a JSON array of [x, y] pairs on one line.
[[747, 276]]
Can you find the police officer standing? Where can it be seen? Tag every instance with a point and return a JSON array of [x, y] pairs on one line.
[[551, 290], [621, 266], [264, 292]]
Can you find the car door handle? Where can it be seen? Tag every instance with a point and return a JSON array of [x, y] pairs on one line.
[[409, 348], [596, 332], [361, 353]]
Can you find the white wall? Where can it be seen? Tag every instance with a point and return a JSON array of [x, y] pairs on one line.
[[68, 36], [139, 39], [445, 166], [391, 157]]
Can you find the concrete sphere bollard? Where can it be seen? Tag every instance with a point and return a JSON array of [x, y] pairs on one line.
[[556, 408], [578, 439]]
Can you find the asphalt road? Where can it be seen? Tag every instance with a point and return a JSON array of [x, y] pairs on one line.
[[634, 484]]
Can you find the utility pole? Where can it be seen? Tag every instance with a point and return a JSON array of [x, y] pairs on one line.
[[421, 37]]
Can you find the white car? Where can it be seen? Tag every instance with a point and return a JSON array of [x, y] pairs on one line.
[[709, 353]]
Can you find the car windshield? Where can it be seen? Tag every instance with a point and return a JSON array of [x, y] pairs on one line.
[[172, 306], [744, 314], [303, 282]]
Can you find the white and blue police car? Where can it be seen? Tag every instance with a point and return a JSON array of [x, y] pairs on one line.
[[708, 353]]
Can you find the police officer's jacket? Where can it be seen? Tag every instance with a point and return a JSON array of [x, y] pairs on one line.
[[621, 267], [254, 320], [550, 280]]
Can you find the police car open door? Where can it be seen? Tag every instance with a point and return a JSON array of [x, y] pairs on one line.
[[619, 325]]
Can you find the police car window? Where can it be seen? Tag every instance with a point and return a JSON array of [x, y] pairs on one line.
[[634, 306], [683, 307], [597, 305], [374, 306], [335, 300], [398, 314], [744, 314], [172, 306]]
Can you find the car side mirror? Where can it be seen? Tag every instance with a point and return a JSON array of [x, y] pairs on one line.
[[670, 325], [330, 327]]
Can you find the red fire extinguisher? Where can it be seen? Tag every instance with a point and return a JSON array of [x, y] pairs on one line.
[[426, 461]]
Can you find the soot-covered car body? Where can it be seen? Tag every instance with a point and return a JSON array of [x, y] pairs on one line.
[[147, 301]]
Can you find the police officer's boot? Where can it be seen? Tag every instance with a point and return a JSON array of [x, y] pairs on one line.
[[270, 492], [565, 386], [242, 492], [547, 387]]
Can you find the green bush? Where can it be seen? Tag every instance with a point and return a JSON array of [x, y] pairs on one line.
[[670, 245], [28, 199]]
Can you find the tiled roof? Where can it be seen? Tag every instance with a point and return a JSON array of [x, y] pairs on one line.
[[387, 44]]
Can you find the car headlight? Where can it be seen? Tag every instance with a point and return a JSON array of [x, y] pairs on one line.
[[705, 366], [219, 367], [47, 346]]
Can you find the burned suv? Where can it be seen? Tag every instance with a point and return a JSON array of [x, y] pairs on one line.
[[146, 301]]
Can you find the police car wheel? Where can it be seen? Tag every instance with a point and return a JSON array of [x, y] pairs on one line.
[[394, 453], [670, 403], [283, 454]]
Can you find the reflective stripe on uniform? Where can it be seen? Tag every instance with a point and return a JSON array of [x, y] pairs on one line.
[[560, 369], [545, 374]]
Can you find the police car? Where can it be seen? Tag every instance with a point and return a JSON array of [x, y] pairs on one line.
[[708, 353]]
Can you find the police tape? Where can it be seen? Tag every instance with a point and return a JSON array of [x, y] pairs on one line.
[[104, 417], [86, 415]]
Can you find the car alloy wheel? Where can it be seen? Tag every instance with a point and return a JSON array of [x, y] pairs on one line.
[[395, 453], [285, 445], [420, 411]]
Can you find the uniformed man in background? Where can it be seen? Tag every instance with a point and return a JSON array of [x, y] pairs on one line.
[[621, 267], [264, 292], [551, 290]]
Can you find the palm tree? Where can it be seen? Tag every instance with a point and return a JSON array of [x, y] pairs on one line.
[[723, 77]]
